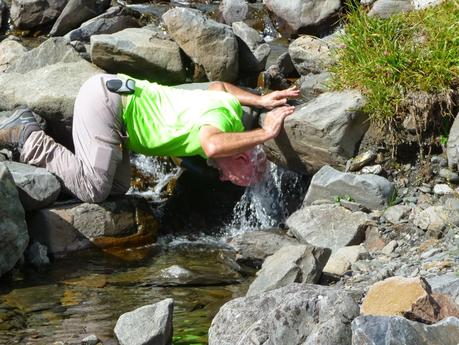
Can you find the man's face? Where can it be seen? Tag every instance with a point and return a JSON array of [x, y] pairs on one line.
[[244, 169]]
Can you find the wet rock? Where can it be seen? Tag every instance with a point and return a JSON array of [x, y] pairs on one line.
[[113, 20], [326, 130], [328, 226], [139, 53], [447, 284], [395, 214], [150, 324], [371, 191], [13, 229], [295, 314], [11, 51], [90, 340], [234, 10], [299, 13], [37, 254], [69, 228], [252, 247], [442, 189], [198, 36], [77, 12], [290, 264], [310, 55], [36, 186], [341, 261], [30, 14], [312, 85], [380, 330]]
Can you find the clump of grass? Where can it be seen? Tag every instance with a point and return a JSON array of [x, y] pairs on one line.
[[392, 59]]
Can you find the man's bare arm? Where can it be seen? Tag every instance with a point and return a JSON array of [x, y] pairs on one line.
[[269, 101], [217, 144]]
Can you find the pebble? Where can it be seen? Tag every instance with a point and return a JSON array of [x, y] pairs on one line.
[[372, 169], [90, 340], [442, 189], [425, 189], [389, 248], [430, 253], [449, 175]]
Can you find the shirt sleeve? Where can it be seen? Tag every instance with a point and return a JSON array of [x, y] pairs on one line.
[[218, 119]]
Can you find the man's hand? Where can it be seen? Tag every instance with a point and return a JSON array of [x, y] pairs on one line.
[[278, 98], [274, 120]]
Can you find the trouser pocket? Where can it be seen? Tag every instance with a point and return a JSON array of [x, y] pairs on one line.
[[108, 153]]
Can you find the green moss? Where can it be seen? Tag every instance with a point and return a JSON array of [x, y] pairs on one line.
[[387, 59]]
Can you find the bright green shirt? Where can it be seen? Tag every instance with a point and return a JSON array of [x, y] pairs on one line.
[[164, 121]]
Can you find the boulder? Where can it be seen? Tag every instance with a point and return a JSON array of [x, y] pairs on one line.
[[328, 226], [233, 10], [295, 314], [147, 325], [74, 227], [37, 254], [252, 247], [30, 14], [208, 43], [139, 53], [113, 20], [310, 55], [435, 219], [300, 263], [372, 191], [13, 228], [11, 51], [75, 13], [341, 261], [37, 187], [395, 214], [312, 85], [304, 13], [447, 284], [452, 147], [382, 330], [326, 130]]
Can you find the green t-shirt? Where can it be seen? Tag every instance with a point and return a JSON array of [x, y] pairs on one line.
[[164, 121]]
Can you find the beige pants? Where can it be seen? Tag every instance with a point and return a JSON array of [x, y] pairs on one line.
[[100, 165]]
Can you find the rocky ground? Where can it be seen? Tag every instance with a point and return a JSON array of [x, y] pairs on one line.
[[371, 254]]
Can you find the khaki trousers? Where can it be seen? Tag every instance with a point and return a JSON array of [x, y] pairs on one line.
[[100, 165]]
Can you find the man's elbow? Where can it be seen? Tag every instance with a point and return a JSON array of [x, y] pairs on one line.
[[217, 86], [210, 149]]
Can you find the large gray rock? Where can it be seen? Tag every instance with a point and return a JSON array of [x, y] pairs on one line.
[[69, 228], [382, 330], [313, 85], [208, 43], [11, 51], [372, 191], [115, 19], [435, 219], [326, 130], [310, 55], [296, 314], [447, 284], [329, 226], [13, 228], [49, 91], [76, 12], [302, 263], [252, 247], [304, 13], [30, 14], [139, 53], [452, 148], [147, 325], [37, 187]]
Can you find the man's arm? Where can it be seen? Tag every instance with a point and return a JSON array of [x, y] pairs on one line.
[[269, 101], [217, 144]]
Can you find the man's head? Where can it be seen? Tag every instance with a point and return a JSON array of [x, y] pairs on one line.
[[244, 169]]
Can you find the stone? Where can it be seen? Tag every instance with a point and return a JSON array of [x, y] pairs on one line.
[[326, 130], [328, 226], [372, 191], [198, 36], [90, 340], [372, 169], [13, 228], [303, 13], [452, 147], [139, 53], [30, 14], [310, 55], [389, 248], [395, 214], [295, 314], [373, 241], [341, 261], [382, 330], [147, 325], [353, 206], [362, 160], [449, 175], [312, 85], [113, 20], [435, 219], [386, 8], [442, 189], [234, 10], [290, 264], [447, 284], [252, 247], [37, 187], [69, 228], [37, 254], [11, 51], [77, 12]]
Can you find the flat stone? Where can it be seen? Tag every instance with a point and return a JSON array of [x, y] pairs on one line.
[[442, 189], [90, 340], [387, 8], [341, 261], [290, 264], [373, 241], [389, 248], [395, 214]]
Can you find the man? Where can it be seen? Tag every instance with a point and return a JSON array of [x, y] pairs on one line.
[[152, 120]]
